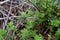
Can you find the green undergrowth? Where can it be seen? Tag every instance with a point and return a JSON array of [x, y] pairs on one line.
[[39, 24]]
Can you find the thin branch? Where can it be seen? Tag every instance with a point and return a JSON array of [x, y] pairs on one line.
[[3, 12], [4, 1]]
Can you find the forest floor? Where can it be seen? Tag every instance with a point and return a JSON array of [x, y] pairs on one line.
[[10, 10]]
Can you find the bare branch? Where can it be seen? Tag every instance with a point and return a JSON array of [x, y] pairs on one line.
[[4, 1]]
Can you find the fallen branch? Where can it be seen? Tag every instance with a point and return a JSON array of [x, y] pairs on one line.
[[4, 1]]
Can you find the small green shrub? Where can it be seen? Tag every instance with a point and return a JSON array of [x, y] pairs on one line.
[[29, 31], [4, 33], [10, 26], [57, 34]]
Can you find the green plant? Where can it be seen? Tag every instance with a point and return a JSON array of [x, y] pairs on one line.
[[55, 22], [10, 26], [41, 22], [29, 31], [3, 34], [57, 34]]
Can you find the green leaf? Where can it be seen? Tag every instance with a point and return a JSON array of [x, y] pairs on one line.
[[1, 38], [38, 14], [55, 22], [57, 34], [10, 26], [30, 24], [42, 15], [30, 13], [25, 33], [23, 14], [2, 32], [38, 37]]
